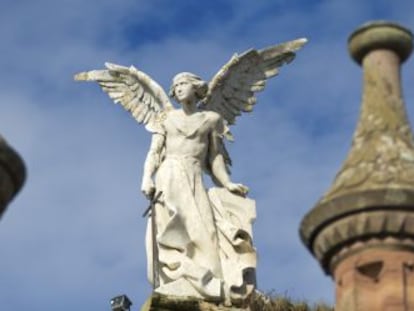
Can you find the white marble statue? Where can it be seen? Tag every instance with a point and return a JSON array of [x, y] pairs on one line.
[[203, 238]]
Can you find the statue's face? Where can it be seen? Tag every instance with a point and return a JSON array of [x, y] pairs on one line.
[[184, 90]]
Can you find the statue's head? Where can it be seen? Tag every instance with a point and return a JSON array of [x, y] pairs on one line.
[[200, 86]]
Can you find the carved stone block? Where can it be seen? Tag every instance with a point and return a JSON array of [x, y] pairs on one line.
[[376, 279]]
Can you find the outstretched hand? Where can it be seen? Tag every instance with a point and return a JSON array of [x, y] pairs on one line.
[[239, 189], [148, 189]]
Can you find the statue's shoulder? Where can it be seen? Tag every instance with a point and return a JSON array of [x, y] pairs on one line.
[[164, 115], [157, 125], [212, 116]]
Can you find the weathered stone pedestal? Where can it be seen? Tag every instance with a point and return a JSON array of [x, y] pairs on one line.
[[12, 174], [159, 302], [362, 230]]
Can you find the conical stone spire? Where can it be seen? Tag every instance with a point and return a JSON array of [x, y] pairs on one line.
[[382, 153], [369, 209]]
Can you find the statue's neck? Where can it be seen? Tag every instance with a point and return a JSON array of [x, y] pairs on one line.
[[189, 107]]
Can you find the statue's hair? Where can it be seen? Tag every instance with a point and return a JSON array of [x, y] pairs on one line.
[[199, 84]]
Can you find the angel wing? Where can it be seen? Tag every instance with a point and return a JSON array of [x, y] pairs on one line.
[[133, 89], [232, 90]]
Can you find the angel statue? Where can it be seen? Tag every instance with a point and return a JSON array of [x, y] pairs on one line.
[[198, 241]]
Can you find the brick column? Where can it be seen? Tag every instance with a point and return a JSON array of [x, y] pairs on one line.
[[362, 230], [12, 174]]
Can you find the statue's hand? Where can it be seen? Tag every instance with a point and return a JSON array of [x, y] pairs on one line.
[[148, 188], [239, 189]]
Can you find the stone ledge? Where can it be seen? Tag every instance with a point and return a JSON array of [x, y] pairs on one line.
[[361, 227], [158, 302], [327, 212]]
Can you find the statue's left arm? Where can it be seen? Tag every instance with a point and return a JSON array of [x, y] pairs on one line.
[[217, 161]]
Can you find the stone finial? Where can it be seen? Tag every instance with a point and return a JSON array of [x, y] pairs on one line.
[[380, 35], [12, 174], [372, 196]]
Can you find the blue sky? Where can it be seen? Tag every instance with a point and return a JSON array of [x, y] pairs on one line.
[[74, 237]]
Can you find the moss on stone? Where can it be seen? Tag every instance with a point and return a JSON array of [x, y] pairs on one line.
[[259, 302]]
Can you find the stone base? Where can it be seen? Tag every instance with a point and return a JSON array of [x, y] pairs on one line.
[[158, 302]]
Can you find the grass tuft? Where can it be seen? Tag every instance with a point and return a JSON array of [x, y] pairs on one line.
[[272, 302]]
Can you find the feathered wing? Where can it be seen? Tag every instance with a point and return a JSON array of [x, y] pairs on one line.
[[232, 90], [132, 89]]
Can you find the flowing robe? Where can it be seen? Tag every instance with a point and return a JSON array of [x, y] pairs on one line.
[[196, 238]]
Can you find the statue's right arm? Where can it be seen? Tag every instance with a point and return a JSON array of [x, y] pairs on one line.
[[151, 165]]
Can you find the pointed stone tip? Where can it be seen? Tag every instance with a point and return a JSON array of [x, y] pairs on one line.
[[303, 41], [298, 43], [109, 65], [82, 76], [380, 35]]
